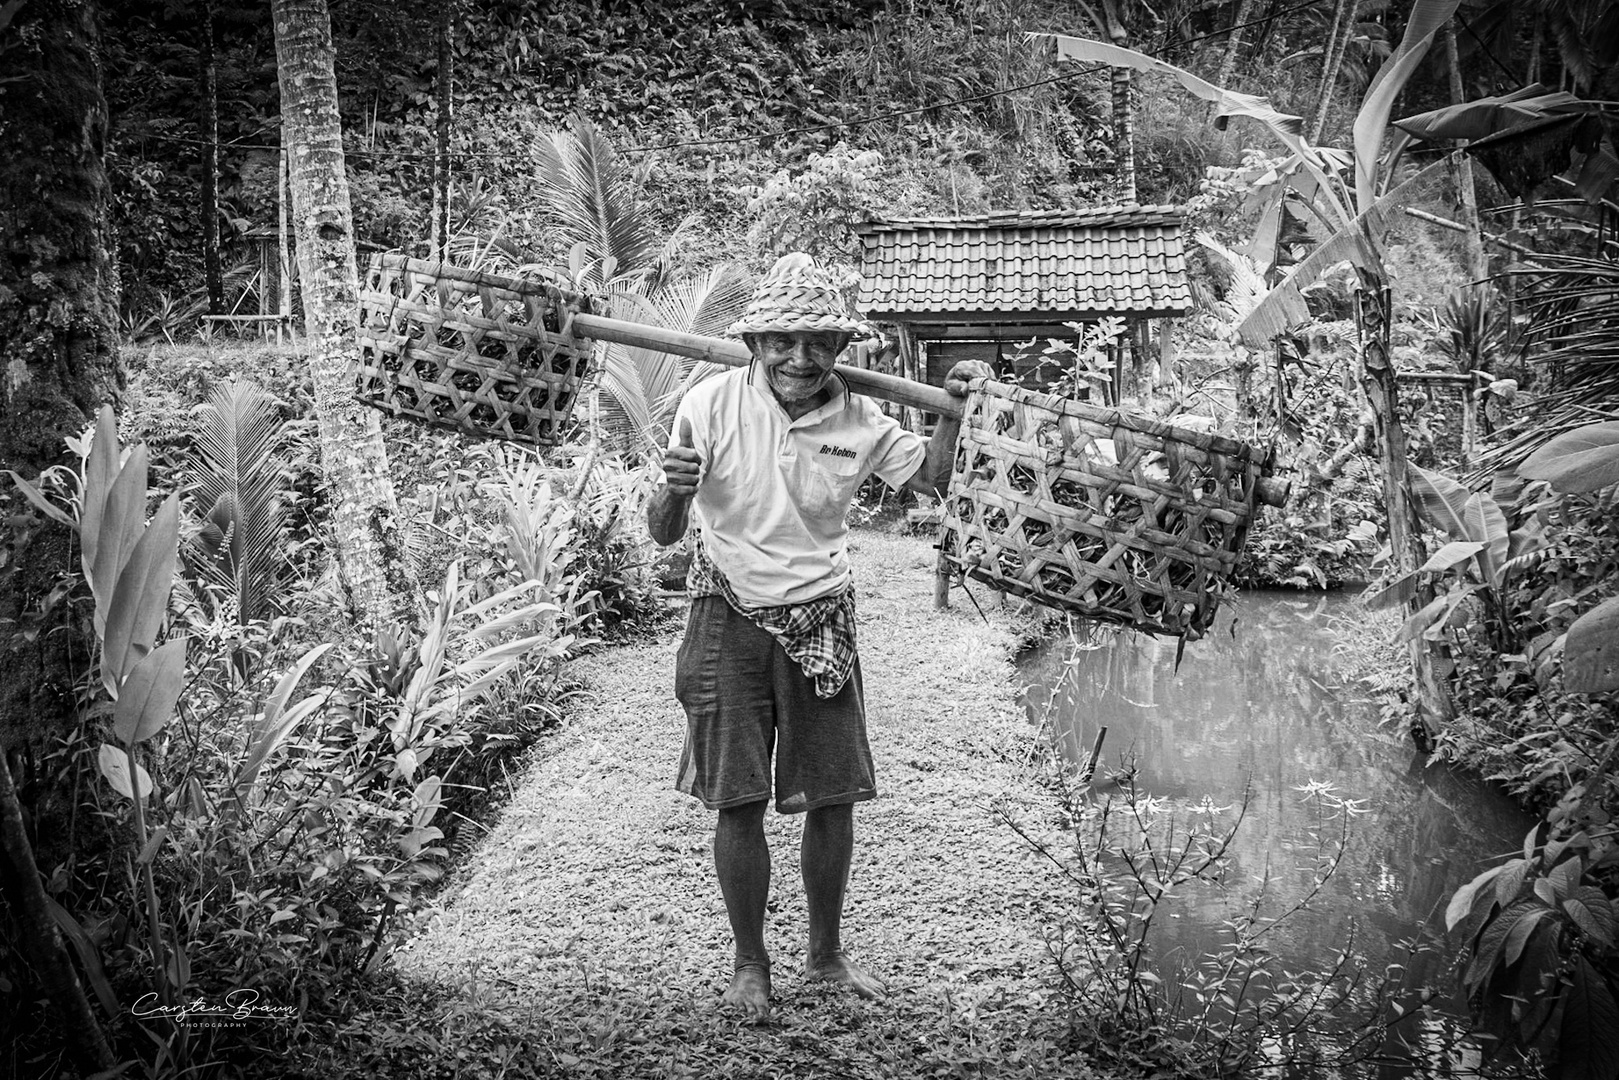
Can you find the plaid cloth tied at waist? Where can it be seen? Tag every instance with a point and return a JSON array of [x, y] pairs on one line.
[[819, 635]]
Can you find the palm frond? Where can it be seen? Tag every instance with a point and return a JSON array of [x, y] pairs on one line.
[[238, 486], [591, 194], [1573, 341]]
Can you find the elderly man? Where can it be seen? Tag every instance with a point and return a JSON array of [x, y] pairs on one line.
[[767, 459]]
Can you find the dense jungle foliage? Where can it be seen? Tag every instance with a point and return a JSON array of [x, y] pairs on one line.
[[315, 782]]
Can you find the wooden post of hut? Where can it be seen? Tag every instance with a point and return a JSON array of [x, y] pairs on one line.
[[958, 288]]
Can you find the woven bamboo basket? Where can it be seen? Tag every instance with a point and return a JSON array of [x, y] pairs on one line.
[[489, 355], [1118, 517]]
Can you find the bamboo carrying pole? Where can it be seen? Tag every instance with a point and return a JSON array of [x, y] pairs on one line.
[[735, 354], [1269, 490]]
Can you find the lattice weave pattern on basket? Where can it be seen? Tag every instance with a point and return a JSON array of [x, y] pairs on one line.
[[490, 355], [1119, 517]]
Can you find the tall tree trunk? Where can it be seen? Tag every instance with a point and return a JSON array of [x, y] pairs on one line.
[[58, 348], [1345, 16], [1477, 267], [365, 516], [445, 86], [1233, 45], [1124, 135], [209, 123]]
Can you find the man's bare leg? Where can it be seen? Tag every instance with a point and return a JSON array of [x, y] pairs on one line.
[[742, 861], [824, 859]]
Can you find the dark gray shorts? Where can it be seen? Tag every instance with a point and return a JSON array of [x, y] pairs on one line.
[[744, 695]]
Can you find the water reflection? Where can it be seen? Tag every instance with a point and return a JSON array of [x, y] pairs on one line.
[[1249, 709]]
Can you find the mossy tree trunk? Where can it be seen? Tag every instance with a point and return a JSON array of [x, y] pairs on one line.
[[58, 364], [58, 333], [365, 516]]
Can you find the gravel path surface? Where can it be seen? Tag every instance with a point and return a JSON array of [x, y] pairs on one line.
[[594, 903]]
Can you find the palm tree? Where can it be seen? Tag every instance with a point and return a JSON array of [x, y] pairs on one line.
[[369, 543]]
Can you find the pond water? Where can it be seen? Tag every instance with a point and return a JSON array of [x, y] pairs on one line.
[[1250, 713]]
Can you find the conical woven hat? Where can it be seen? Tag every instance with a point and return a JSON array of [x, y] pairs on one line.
[[797, 295]]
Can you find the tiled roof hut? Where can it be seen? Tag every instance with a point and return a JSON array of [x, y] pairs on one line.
[[974, 287]]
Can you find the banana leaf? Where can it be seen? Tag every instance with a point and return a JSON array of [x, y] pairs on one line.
[[1372, 121], [1284, 307]]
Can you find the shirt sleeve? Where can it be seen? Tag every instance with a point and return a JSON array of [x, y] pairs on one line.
[[897, 453]]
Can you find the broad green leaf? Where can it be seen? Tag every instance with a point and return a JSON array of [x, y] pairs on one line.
[[1511, 881], [114, 764], [411, 843], [1227, 103], [1452, 554], [1440, 500], [147, 697], [267, 738], [1397, 592], [100, 470], [1583, 460], [1565, 878], [1486, 524], [1461, 902], [141, 597], [1591, 651], [1590, 924], [44, 505], [1518, 936], [123, 519], [1417, 624], [1489, 953], [1372, 121], [428, 797], [1486, 116], [1589, 1045], [287, 683]]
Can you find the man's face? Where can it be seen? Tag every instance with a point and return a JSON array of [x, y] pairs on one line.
[[797, 364]]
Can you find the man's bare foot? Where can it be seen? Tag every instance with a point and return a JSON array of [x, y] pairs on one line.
[[749, 992], [838, 968]]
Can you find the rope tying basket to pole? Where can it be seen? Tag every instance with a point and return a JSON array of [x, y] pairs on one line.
[[489, 355], [1118, 517]]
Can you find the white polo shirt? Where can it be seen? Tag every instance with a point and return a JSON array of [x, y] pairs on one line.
[[774, 492]]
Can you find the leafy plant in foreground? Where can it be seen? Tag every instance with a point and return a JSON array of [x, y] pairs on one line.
[[1237, 1007]]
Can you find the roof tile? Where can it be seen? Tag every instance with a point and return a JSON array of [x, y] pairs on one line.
[[1102, 259]]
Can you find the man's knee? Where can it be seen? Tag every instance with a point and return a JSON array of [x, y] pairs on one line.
[[744, 818], [837, 817]]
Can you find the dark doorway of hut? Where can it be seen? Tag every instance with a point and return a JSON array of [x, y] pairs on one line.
[[1254, 717]]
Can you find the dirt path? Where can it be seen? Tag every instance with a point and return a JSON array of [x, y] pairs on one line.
[[594, 902]]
